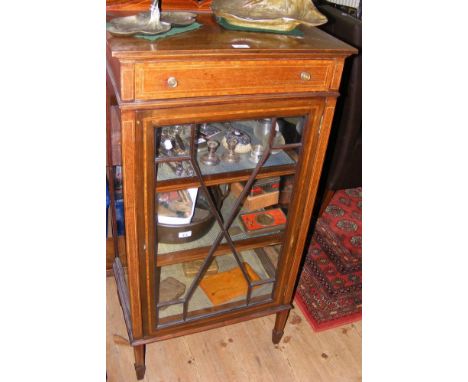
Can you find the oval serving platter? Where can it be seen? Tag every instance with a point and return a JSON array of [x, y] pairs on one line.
[[139, 24]]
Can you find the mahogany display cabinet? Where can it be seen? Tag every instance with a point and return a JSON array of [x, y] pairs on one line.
[[220, 136]]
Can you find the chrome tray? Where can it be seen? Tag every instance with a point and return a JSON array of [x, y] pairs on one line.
[[140, 23]]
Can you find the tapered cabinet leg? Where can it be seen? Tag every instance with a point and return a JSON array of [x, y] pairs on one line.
[[280, 323], [140, 367]]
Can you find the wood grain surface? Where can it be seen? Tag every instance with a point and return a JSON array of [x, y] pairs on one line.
[[239, 352], [212, 41], [211, 78]]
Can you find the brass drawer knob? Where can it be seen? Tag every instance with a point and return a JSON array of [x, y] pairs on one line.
[[172, 82], [305, 76]]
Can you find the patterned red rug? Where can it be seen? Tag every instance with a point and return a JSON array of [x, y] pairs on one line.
[[329, 292]]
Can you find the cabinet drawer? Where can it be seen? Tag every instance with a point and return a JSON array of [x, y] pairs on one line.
[[195, 79]]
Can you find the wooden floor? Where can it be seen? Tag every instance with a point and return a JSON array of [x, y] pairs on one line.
[[240, 352]]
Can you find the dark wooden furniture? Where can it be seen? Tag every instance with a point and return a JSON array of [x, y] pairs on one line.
[[205, 76], [343, 161]]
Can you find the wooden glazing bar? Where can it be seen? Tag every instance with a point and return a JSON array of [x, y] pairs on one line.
[[265, 260], [289, 146], [262, 282], [234, 211], [227, 224], [207, 262], [215, 311], [249, 185], [249, 291], [170, 303]]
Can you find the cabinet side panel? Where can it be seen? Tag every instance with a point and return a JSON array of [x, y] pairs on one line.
[[113, 72], [129, 168], [127, 79], [335, 83]]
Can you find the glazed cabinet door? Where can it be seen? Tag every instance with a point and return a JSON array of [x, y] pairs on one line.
[[227, 194]]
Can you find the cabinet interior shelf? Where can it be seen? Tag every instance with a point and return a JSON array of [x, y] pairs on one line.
[[200, 253], [216, 179], [193, 254]]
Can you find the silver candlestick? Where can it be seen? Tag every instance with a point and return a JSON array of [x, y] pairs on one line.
[[231, 156], [210, 158]]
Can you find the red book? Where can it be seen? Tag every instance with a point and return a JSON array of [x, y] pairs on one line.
[[264, 221]]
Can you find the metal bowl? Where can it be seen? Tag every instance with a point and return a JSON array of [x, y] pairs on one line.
[[278, 15], [178, 19], [136, 24], [140, 23], [201, 223]]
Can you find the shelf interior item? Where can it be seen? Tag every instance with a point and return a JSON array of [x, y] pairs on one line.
[[223, 285]]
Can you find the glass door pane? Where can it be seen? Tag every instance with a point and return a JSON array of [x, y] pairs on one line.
[[221, 211], [223, 287]]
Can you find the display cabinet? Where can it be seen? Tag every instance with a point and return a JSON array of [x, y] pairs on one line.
[[221, 137]]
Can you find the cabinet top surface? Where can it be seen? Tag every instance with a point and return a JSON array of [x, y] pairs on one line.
[[212, 40]]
